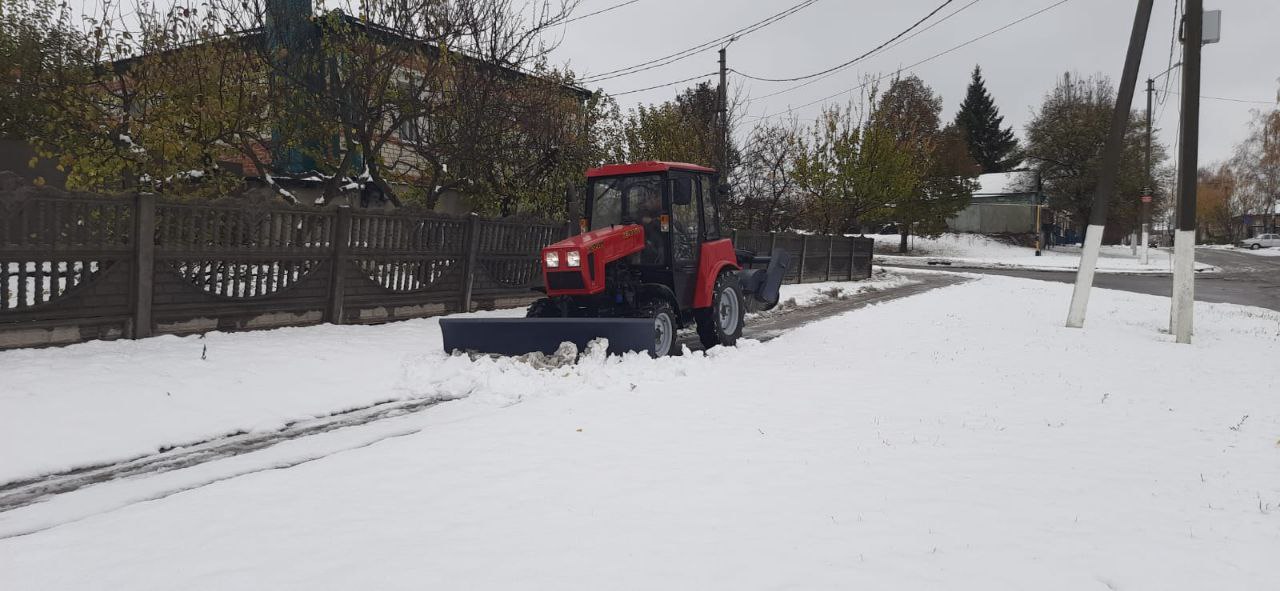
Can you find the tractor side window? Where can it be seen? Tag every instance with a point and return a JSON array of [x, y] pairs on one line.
[[684, 230], [710, 222], [606, 204]]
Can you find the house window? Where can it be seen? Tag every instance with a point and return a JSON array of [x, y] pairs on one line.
[[412, 130]]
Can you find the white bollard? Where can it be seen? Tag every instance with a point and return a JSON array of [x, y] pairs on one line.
[[1146, 239]]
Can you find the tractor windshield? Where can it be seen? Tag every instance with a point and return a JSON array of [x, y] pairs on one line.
[[625, 199]]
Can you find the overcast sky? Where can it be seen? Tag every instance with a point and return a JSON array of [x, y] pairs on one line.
[[1020, 64]]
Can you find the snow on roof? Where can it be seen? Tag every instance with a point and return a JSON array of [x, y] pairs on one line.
[[1002, 183]]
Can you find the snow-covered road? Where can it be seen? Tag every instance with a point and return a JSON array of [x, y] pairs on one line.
[[956, 439], [104, 410]]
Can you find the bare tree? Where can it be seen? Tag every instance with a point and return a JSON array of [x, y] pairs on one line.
[[1256, 164], [767, 196]]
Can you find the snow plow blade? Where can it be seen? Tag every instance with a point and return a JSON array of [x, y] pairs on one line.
[[518, 336]]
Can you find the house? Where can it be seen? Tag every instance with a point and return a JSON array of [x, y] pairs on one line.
[[291, 37], [1005, 203], [1253, 224]]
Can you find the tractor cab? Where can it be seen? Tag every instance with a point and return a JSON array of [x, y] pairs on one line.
[[674, 203]]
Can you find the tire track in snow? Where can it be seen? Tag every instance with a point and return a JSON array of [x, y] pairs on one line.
[[763, 327]]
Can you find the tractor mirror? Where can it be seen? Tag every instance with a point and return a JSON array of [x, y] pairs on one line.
[[682, 191]]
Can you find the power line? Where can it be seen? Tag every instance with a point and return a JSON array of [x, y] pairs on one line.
[[1173, 42], [856, 59], [900, 42], [685, 53], [663, 85], [923, 61], [1230, 100], [601, 11]]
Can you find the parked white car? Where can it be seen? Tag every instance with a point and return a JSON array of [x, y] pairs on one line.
[[1261, 241]]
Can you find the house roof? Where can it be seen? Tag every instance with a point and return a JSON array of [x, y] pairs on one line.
[[642, 167], [253, 34], [1004, 183]]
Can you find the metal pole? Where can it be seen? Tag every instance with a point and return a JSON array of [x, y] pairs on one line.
[[1184, 251], [1110, 167], [1150, 184]]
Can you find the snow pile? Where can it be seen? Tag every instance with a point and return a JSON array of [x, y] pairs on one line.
[[977, 251], [957, 439], [812, 294], [503, 381]]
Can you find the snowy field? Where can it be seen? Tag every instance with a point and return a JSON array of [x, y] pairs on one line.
[[959, 439], [982, 252], [101, 402]]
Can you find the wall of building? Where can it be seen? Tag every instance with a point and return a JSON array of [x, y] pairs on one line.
[[994, 218]]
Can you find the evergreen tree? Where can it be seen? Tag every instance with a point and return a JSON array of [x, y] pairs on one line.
[[993, 148]]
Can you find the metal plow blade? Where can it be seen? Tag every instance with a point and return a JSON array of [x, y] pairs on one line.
[[518, 336]]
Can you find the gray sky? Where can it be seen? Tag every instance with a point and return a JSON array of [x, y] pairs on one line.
[[1020, 64]]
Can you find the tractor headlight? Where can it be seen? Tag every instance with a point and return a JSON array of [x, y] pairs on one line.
[[552, 259], [573, 258]]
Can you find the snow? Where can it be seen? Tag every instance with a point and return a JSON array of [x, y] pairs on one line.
[[171, 391], [982, 252], [49, 272], [957, 439], [810, 294], [127, 140]]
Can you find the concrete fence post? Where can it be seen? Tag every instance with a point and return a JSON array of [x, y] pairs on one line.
[[804, 252], [334, 314], [831, 252], [472, 237], [853, 255], [144, 263]]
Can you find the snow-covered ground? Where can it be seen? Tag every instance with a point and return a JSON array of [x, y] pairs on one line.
[[957, 439], [1262, 252], [980, 252], [100, 402]]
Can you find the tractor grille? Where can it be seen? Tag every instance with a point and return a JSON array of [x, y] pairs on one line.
[[565, 280]]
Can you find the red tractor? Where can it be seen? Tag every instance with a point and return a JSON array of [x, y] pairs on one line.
[[651, 259]]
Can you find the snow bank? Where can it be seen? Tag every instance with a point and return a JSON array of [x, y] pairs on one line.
[[979, 251], [811, 294], [957, 439]]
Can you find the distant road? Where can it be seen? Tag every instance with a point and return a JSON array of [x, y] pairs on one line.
[[1246, 279]]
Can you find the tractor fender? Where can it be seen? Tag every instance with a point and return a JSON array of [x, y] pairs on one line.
[[658, 290], [715, 257]]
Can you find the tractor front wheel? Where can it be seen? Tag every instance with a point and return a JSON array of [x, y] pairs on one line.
[[543, 308], [721, 324], [664, 327]]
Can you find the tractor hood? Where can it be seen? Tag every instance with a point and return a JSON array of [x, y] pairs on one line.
[[575, 265]]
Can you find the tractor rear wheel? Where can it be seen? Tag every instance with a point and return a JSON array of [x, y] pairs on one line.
[[664, 327], [721, 324]]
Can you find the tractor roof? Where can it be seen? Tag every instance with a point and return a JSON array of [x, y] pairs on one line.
[[642, 167]]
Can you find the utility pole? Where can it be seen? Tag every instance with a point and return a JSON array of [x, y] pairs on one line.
[[1184, 247], [1039, 211], [723, 97], [1110, 167], [1149, 189]]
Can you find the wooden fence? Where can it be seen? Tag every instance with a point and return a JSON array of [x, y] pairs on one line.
[[72, 268]]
